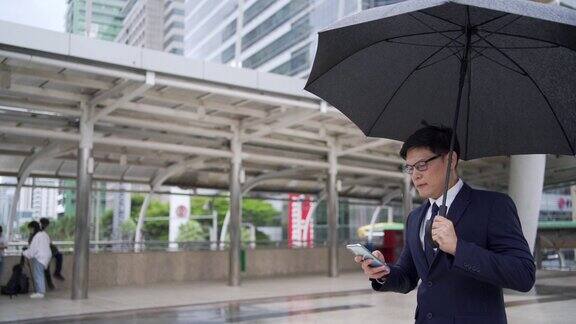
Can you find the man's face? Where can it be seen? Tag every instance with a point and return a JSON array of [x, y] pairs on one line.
[[429, 183]]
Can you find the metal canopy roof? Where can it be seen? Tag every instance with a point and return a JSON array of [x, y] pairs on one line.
[[162, 117]]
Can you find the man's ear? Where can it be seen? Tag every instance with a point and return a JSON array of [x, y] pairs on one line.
[[454, 160]]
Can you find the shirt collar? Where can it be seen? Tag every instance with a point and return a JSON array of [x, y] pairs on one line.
[[452, 192]]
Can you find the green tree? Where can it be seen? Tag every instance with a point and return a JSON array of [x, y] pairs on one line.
[[191, 231], [106, 224], [128, 228], [201, 205], [24, 232], [62, 229], [260, 213], [245, 236], [155, 230], [256, 211]]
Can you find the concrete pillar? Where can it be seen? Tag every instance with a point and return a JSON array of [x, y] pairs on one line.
[[140, 224], [373, 221], [407, 196], [85, 162], [526, 182], [332, 212], [50, 151], [9, 231], [235, 211], [538, 256], [390, 214]]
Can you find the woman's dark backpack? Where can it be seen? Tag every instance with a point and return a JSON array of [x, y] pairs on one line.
[[18, 283]]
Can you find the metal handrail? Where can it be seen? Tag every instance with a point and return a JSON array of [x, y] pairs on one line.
[[15, 248]]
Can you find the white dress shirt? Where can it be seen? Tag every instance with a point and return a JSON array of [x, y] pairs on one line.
[[452, 192], [39, 249]]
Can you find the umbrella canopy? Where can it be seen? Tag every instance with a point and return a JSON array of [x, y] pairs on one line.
[[502, 71]]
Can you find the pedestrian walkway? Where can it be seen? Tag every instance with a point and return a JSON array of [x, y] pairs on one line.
[[306, 299]]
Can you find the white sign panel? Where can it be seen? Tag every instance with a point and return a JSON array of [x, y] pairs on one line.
[[179, 213]]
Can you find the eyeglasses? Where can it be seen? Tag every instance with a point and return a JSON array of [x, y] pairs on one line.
[[420, 165]]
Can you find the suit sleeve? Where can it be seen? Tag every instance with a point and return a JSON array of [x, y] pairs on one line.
[[403, 276], [507, 261]]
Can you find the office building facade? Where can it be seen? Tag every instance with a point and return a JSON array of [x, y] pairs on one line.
[[142, 25], [106, 18], [277, 36]]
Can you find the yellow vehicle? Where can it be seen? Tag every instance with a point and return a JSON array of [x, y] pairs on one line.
[[379, 229]]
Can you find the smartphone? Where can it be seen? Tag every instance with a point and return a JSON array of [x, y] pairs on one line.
[[359, 249]]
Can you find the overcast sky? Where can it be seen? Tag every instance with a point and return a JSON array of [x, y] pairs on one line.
[[47, 14]]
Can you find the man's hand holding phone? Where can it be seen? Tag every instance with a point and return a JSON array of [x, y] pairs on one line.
[[371, 271]]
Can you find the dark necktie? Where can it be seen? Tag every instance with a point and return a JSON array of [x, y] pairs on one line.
[[428, 247]]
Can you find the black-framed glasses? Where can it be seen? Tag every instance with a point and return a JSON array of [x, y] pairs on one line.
[[420, 165]]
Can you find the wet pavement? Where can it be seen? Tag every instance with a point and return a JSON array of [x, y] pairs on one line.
[[310, 299]]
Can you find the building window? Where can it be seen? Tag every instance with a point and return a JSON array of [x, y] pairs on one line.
[[174, 38], [273, 22], [299, 62], [300, 31], [228, 54], [255, 9]]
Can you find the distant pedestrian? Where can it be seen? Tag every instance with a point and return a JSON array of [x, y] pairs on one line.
[[44, 223], [39, 255]]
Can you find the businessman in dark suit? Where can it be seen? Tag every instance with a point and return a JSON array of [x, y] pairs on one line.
[[481, 248]]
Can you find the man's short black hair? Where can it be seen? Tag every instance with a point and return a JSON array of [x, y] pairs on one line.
[[435, 138], [44, 222]]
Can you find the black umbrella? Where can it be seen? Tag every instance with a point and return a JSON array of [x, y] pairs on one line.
[[501, 72]]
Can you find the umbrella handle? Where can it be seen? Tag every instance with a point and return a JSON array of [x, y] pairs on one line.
[[442, 211]]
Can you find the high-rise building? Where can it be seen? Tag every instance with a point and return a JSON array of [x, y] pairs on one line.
[[119, 200], [143, 24], [25, 210], [38, 198], [106, 18], [174, 26], [154, 24], [6, 194], [276, 36], [44, 198], [67, 199]]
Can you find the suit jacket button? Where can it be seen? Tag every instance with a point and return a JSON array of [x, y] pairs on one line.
[[429, 316], [429, 283]]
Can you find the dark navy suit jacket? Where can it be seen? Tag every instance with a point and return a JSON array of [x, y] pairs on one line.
[[491, 254]]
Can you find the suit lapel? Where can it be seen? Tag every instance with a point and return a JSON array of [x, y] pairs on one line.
[[456, 211], [459, 204]]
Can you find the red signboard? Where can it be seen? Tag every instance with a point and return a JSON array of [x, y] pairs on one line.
[[300, 221]]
